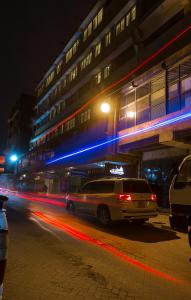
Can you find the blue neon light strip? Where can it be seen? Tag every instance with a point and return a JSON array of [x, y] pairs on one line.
[[112, 140]]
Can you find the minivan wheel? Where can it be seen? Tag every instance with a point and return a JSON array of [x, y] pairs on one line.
[[104, 216], [71, 207]]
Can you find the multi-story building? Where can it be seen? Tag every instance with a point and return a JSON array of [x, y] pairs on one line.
[[20, 125], [133, 56]]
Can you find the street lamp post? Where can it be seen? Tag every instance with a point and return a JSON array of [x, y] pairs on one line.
[[107, 108]]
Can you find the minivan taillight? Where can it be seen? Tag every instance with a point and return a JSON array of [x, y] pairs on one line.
[[124, 197], [153, 197]]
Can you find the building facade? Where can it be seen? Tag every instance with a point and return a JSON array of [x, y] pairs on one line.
[[135, 57], [20, 126]]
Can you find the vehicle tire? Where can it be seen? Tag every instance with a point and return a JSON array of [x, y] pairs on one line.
[[104, 216], [71, 207], [139, 221]]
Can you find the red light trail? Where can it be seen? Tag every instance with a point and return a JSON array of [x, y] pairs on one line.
[[40, 199], [81, 236]]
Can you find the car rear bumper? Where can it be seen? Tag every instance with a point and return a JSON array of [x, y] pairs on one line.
[[139, 215]]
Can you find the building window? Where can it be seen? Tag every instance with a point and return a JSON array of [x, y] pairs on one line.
[[100, 16], [58, 109], [85, 116], [85, 34], [70, 53], [73, 74], [90, 29], [158, 96], [50, 78], [107, 71], [98, 49], [120, 26], [58, 67], [98, 78], [133, 13], [63, 83], [86, 61], [63, 105], [62, 129], [125, 21], [128, 19], [40, 90], [108, 39], [70, 124], [93, 25], [186, 91]]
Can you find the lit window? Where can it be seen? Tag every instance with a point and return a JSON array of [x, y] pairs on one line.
[[93, 25], [85, 116], [97, 49], [63, 83], [95, 22], [85, 34], [73, 74], [120, 26], [100, 16], [98, 78], [58, 67], [107, 71], [128, 19], [108, 39], [86, 61], [70, 124], [117, 29], [68, 55], [50, 78], [40, 90], [72, 51], [90, 29], [75, 47], [133, 13]]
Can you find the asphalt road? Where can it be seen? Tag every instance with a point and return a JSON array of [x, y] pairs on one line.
[[55, 255]]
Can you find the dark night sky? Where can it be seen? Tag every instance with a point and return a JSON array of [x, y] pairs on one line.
[[32, 34]]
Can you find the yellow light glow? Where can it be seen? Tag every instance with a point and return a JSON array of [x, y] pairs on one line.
[[130, 114], [105, 107]]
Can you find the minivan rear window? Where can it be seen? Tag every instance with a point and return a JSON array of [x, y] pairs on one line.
[[98, 187], [136, 186]]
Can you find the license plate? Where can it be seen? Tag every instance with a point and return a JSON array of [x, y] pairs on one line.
[[141, 204]]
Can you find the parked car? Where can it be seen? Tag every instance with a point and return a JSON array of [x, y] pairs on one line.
[[179, 196], [115, 199], [3, 241]]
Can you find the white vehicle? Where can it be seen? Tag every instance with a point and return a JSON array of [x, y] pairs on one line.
[[115, 199], [3, 242], [180, 196]]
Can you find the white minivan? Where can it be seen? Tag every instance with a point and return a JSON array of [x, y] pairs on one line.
[[180, 196], [115, 199]]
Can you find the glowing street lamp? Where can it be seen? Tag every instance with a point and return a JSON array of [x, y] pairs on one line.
[[105, 107]]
